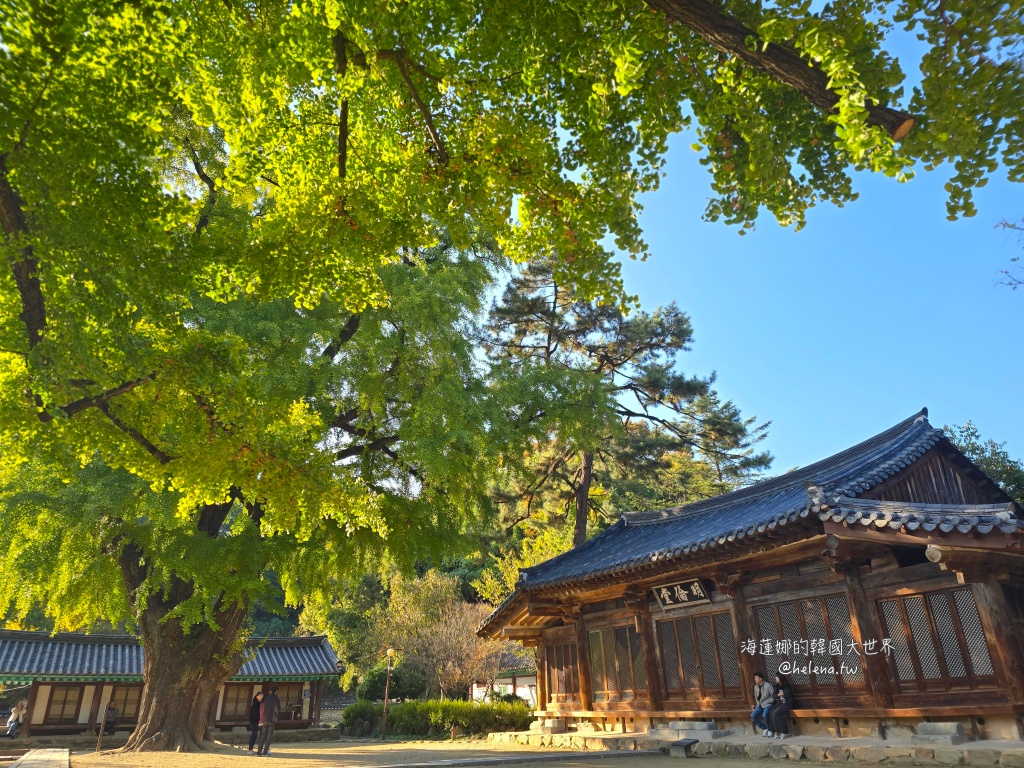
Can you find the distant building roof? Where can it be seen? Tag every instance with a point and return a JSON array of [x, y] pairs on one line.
[[641, 540], [28, 656]]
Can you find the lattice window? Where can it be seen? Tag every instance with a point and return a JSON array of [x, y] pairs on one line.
[[617, 663], [698, 653], [237, 700], [937, 641], [837, 610], [64, 704], [727, 650], [807, 633], [974, 635]]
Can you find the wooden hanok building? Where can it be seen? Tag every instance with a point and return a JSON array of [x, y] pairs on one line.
[[888, 578], [70, 678]]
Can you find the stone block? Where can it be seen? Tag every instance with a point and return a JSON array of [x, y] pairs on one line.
[[674, 751], [755, 751], [867, 754], [695, 725], [947, 756], [596, 744], [924, 753], [1012, 758], [981, 756], [579, 742], [943, 740], [535, 740], [718, 749], [702, 748], [899, 732], [837, 754], [735, 750], [794, 751], [940, 729], [777, 751], [815, 754]]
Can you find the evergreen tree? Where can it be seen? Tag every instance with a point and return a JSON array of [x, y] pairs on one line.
[[618, 405]]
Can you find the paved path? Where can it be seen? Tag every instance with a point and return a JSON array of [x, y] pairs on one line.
[[543, 757], [44, 758]]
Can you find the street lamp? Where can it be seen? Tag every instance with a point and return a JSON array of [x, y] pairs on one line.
[[387, 689]]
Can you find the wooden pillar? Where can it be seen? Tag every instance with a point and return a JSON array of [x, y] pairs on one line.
[[731, 585], [319, 699], [865, 625], [1000, 632], [94, 711], [639, 603], [27, 730], [542, 677], [574, 615]]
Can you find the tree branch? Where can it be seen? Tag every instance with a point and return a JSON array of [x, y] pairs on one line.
[[346, 333], [729, 35], [380, 444], [25, 269], [95, 402], [134, 434], [428, 118], [212, 517], [211, 197]]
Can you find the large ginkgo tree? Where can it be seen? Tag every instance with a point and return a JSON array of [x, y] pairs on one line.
[[204, 203]]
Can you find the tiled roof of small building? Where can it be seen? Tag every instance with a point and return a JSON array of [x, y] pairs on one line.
[[26, 656]]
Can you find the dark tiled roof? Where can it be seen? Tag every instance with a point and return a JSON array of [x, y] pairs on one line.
[[964, 518], [39, 656], [648, 537]]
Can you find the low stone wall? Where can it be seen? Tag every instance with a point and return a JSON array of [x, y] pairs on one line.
[[1003, 754]]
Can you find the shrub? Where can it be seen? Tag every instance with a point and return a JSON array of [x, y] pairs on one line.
[[420, 718], [406, 683]]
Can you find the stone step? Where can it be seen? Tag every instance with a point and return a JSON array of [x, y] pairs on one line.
[[944, 734], [674, 734]]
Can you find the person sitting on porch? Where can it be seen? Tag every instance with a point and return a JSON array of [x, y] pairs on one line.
[[764, 695], [17, 718], [110, 719]]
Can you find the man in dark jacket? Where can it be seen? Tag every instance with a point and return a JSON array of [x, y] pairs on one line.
[[254, 719], [270, 709]]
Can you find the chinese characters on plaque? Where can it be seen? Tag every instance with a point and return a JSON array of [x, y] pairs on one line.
[[689, 592]]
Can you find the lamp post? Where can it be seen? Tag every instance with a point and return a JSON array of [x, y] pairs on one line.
[[387, 689]]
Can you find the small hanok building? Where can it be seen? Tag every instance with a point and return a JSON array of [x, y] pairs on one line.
[[70, 678], [888, 580]]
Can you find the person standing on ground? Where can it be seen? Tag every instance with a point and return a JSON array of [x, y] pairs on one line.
[[779, 717], [764, 696], [17, 718], [254, 719], [269, 711]]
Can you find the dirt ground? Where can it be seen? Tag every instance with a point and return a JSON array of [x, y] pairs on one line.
[[363, 755]]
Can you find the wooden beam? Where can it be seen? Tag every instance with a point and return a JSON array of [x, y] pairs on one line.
[[573, 614], [731, 585], [32, 691], [542, 675], [638, 602], [865, 625], [94, 710], [1001, 632]]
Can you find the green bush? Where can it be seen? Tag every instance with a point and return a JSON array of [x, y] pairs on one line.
[[362, 710], [406, 683], [421, 718]]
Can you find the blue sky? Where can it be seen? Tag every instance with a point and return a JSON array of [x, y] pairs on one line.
[[838, 331]]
